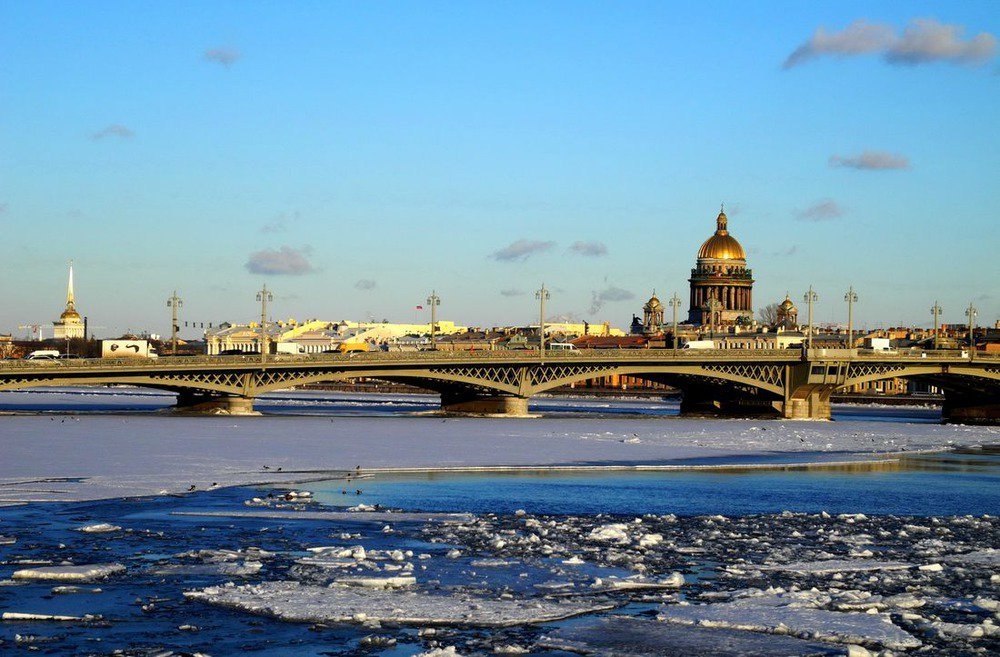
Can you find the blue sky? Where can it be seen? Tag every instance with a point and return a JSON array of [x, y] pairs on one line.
[[354, 156]]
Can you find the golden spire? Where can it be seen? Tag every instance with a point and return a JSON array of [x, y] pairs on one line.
[[721, 221], [70, 299]]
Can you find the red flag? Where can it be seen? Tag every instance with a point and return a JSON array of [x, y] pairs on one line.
[[420, 307]]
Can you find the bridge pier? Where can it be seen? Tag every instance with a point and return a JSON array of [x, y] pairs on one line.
[[961, 408], [201, 403], [475, 404], [809, 403]]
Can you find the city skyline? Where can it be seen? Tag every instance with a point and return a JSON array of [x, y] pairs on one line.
[[354, 158]]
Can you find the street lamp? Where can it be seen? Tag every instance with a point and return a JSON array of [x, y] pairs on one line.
[[263, 296], [174, 302], [674, 302], [936, 311], [434, 301], [810, 297], [712, 306], [851, 298], [542, 295], [971, 313]]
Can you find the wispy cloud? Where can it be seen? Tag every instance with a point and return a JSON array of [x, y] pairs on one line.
[[365, 284], [279, 224], [871, 160], [590, 249], [113, 130], [927, 40], [790, 251], [512, 292], [284, 261], [923, 40], [521, 250], [224, 56], [609, 294], [824, 210]]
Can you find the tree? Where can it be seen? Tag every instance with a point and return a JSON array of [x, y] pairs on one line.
[[769, 314]]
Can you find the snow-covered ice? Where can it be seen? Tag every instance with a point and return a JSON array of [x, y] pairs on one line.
[[778, 614], [147, 454], [77, 573], [292, 601]]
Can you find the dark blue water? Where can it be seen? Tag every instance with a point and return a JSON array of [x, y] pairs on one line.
[[951, 484]]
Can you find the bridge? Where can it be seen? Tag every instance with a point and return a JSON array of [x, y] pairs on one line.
[[786, 383]]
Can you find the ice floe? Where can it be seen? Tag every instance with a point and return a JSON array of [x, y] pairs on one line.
[[292, 601], [78, 573], [784, 614]]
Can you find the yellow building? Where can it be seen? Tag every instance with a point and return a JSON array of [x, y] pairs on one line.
[[70, 324]]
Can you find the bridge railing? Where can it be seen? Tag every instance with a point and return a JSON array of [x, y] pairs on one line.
[[480, 356], [429, 356]]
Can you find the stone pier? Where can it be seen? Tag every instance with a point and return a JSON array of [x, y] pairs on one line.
[[474, 404], [198, 403]]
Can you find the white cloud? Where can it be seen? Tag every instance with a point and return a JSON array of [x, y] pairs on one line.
[[610, 293], [873, 160], [591, 249], [285, 261], [224, 56], [521, 250], [923, 40], [113, 130], [824, 210], [512, 292], [365, 284]]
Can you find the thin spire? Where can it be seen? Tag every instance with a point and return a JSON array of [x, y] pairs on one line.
[[70, 298]]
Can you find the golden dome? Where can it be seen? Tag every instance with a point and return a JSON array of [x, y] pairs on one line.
[[722, 245], [787, 304], [653, 303], [70, 315]]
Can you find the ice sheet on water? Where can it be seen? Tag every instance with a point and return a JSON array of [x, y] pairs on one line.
[[836, 566], [334, 516], [99, 528], [786, 614], [80, 573], [295, 602], [623, 636]]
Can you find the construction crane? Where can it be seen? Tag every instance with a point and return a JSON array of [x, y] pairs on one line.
[[36, 330]]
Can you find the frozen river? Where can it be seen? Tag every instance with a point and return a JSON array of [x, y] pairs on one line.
[[609, 528]]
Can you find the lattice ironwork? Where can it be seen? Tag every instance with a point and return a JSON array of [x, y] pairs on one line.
[[269, 378], [770, 374], [194, 379], [507, 376], [861, 370], [541, 375]]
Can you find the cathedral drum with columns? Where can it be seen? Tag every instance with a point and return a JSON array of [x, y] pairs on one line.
[[721, 283]]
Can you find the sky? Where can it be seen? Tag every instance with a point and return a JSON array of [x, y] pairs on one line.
[[355, 156]]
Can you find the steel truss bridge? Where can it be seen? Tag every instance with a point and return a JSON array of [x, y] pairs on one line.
[[778, 383]]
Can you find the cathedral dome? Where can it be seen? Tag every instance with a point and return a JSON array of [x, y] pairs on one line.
[[70, 315], [721, 245], [653, 303], [787, 304]]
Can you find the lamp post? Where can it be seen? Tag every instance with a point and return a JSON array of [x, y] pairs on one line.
[[674, 302], [263, 296], [851, 298], [434, 301], [971, 313], [810, 297], [936, 311], [712, 305], [542, 295], [174, 303]]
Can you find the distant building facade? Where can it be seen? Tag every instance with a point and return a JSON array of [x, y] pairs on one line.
[[721, 282], [70, 324]]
